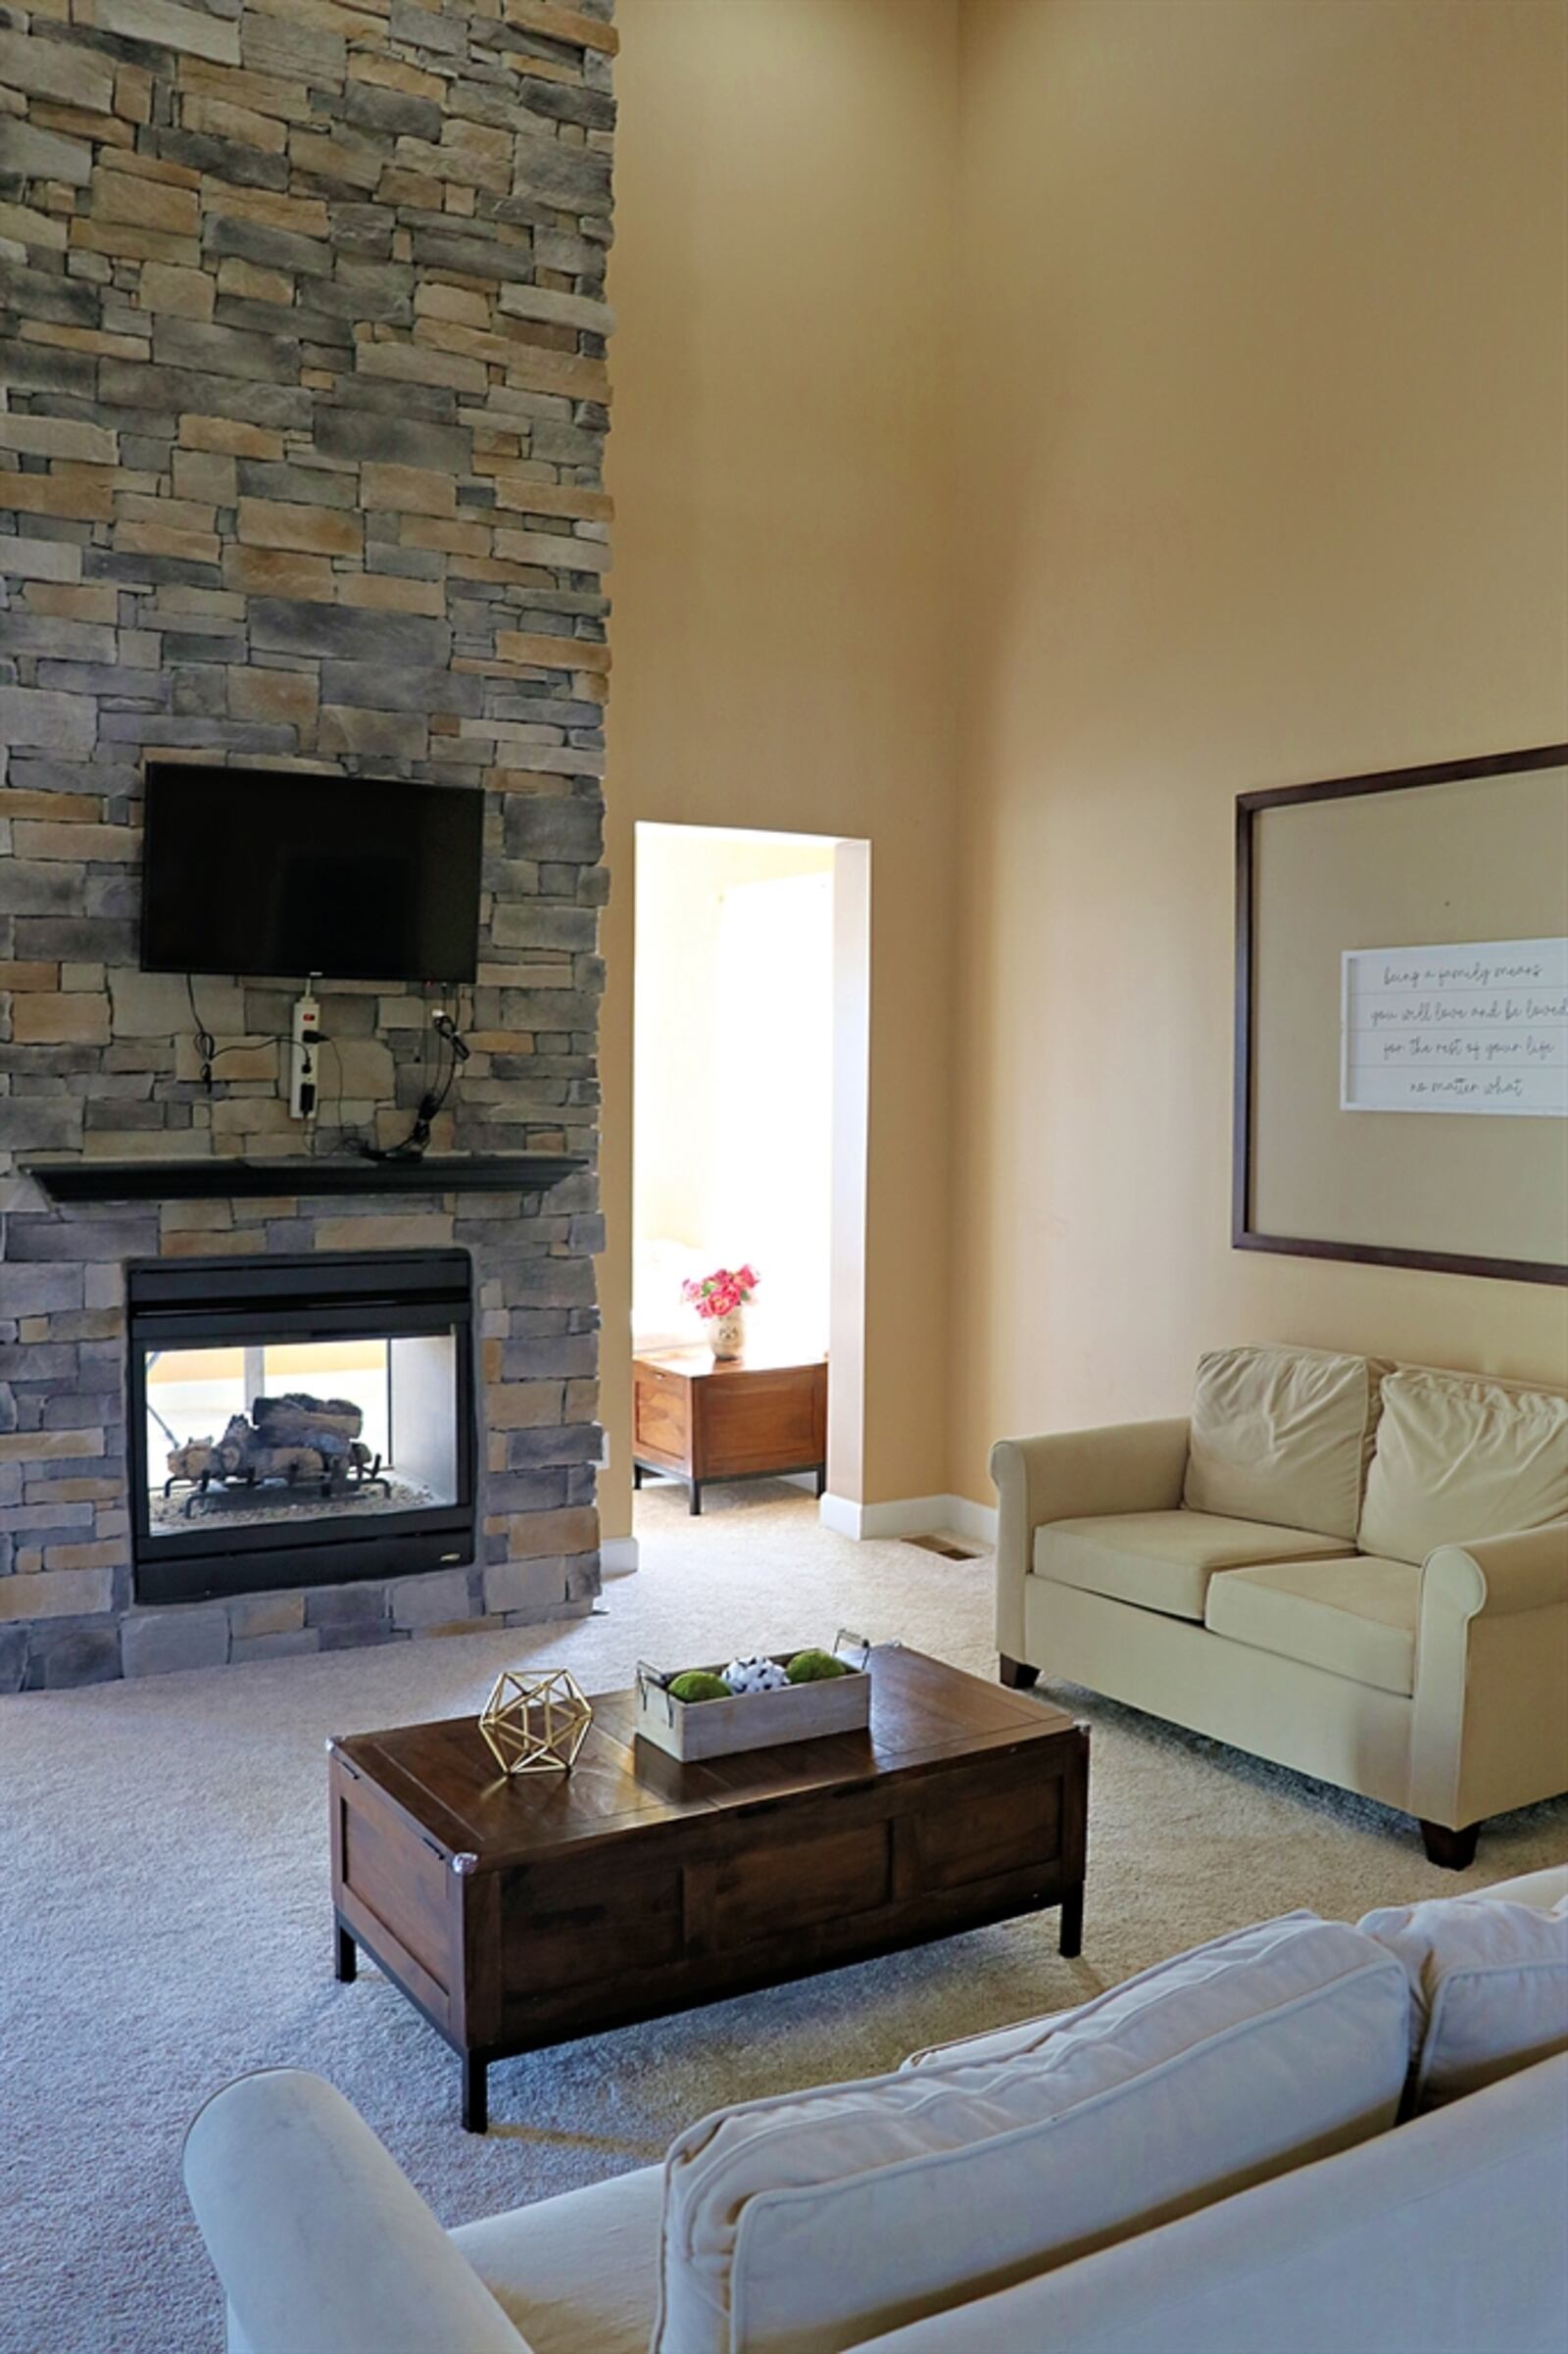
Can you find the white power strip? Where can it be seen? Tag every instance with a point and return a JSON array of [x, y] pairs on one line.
[[304, 1058]]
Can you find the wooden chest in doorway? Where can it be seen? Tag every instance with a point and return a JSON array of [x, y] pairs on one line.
[[698, 1420]]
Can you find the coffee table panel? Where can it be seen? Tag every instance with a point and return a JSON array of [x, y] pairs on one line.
[[577, 1924], [783, 1886], [999, 1822], [395, 1893]]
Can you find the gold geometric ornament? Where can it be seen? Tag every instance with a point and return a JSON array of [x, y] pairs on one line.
[[535, 1722]]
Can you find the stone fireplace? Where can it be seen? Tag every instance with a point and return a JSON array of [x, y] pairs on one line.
[[298, 1421], [300, 451]]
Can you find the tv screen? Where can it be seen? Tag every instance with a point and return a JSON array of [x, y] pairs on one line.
[[264, 870]]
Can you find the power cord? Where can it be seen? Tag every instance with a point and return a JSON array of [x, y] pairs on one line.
[[202, 1039], [317, 1131], [437, 1088], [417, 1142], [208, 1050]]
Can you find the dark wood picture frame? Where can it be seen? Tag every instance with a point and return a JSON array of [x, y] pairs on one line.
[[1244, 1234]]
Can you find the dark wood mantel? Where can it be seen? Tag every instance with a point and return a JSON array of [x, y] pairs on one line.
[[215, 1179]]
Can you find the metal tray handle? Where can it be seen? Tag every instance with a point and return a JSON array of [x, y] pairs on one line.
[[649, 1679]]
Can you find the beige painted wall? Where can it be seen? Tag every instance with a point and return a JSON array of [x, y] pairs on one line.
[[781, 462], [1262, 308]]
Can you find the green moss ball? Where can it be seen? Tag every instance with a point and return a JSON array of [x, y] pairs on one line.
[[814, 1667], [697, 1684]]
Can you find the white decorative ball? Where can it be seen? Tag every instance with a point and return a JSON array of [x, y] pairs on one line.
[[760, 1674]]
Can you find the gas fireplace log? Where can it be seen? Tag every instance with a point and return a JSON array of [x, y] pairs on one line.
[[196, 1459], [328, 1424], [244, 1454], [288, 1463], [295, 1438]]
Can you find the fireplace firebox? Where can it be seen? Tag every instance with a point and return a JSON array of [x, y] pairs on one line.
[[299, 1421]]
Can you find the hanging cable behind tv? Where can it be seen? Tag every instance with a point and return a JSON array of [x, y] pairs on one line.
[[415, 1143]]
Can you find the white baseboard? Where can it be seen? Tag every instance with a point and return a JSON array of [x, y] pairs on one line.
[[911, 1516], [977, 1522], [840, 1514], [617, 1556]]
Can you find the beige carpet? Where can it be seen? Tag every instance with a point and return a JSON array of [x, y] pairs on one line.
[[163, 1901]]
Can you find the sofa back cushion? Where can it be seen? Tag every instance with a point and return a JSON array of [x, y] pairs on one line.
[[805, 2225], [1461, 1456], [1489, 1988], [1283, 1434]]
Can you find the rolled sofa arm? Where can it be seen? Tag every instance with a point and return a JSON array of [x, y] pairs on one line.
[[1488, 1726], [322, 2242], [1526, 1570], [1075, 1475]]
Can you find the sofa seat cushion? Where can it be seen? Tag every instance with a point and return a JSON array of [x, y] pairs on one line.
[[805, 2223], [1164, 1560], [1460, 1456], [1355, 1619], [577, 2273], [1283, 1434]]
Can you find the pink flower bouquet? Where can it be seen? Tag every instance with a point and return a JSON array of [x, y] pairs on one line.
[[721, 1293]]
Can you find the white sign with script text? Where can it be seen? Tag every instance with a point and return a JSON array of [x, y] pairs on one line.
[[1469, 1026]]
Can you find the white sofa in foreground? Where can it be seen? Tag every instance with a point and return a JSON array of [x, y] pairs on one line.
[[1354, 1569], [1203, 2161]]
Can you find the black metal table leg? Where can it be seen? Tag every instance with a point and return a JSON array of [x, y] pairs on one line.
[[476, 2093], [346, 1956], [1072, 1921]]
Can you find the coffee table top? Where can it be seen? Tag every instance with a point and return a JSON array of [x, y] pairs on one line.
[[926, 1717]]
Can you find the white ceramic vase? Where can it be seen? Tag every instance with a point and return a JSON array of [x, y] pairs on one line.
[[727, 1336]]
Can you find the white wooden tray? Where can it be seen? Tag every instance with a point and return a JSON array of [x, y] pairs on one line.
[[755, 1720]]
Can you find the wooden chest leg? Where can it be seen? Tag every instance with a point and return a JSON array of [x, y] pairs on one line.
[[346, 1957]]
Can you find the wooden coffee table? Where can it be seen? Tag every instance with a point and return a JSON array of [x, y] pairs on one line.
[[519, 1913]]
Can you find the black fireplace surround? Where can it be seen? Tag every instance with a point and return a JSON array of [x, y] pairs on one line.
[[360, 1363]]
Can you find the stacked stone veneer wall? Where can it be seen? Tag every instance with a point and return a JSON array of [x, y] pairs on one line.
[[302, 405]]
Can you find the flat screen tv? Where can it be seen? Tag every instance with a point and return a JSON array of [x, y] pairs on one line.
[[265, 870]]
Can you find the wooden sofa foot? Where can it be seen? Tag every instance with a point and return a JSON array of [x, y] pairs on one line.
[[1016, 1674], [1453, 1850]]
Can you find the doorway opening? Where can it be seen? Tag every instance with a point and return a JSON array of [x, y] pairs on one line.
[[749, 1066]]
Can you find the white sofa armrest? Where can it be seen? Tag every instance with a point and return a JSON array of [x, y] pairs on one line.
[[322, 2242], [1489, 1723], [1526, 1570], [1074, 1475]]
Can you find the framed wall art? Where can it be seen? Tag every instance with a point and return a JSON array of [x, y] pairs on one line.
[[1401, 1017]]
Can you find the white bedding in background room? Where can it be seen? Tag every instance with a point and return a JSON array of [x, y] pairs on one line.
[[660, 1317]]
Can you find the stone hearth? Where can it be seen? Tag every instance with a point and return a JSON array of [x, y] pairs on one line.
[[302, 336]]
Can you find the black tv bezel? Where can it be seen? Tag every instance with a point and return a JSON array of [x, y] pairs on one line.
[[264, 774]]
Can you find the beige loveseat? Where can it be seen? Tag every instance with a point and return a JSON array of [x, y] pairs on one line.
[[1355, 1569], [1204, 2160]]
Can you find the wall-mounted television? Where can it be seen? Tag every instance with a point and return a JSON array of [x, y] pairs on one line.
[[268, 871]]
